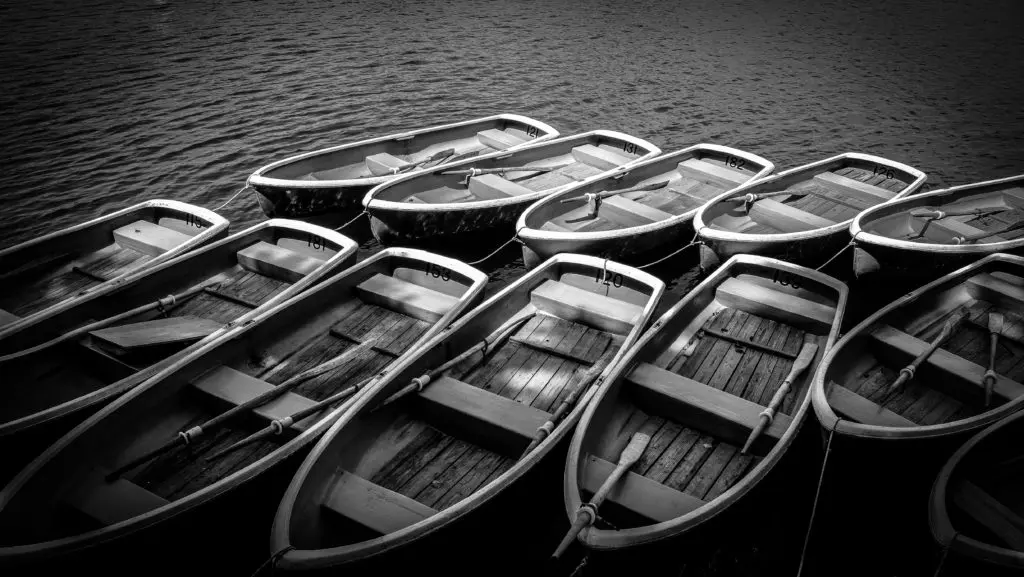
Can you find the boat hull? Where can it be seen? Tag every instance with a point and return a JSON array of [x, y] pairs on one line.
[[636, 249], [327, 206], [807, 252]]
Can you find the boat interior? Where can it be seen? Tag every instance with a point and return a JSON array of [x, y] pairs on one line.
[[989, 209], [810, 198], [693, 179], [396, 463], [385, 157], [575, 158], [63, 267], [238, 275], [950, 384], [387, 302], [697, 388]]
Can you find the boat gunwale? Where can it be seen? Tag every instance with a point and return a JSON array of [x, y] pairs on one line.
[[860, 235], [300, 559], [831, 421], [370, 203], [941, 525], [257, 178], [177, 507], [539, 235], [720, 235], [341, 260], [614, 539]]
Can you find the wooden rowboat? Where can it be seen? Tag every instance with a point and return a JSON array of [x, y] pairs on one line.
[[801, 215], [126, 473], [400, 468], [125, 331], [941, 230], [651, 221], [61, 266], [459, 202], [329, 184], [741, 345], [976, 507]]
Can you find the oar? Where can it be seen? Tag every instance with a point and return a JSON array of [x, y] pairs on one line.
[[436, 156], [587, 513], [278, 426], [935, 214], [803, 360], [995, 326], [186, 437], [503, 333], [588, 378], [751, 198], [907, 372], [607, 193], [167, 301], [479, 171], [985, 234]]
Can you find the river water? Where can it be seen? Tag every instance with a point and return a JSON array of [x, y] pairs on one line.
[[105, 103]]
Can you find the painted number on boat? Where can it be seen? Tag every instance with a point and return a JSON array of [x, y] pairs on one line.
[[315, 241], [439, 272], [630, 148], [532, 131], [734, 162], [614, 279], [884, 171], [785, 279], [193, 220]]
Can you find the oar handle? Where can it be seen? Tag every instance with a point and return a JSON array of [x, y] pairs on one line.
[[995, 327], [752, 197], [936, 214], [985, 234], [436, 156], [478, 171], [907, 372], [607, 193]]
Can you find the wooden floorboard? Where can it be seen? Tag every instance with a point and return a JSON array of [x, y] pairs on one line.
[[489, 466]]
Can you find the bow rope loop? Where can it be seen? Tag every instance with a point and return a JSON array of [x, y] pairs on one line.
[[358, 216]]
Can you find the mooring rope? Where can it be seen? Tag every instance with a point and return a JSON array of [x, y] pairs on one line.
[[817, 496], [578, 571], [357, 217], [693, 242], [515, 238], [835, 256], [942, 559], [272, 561], [228, 201]]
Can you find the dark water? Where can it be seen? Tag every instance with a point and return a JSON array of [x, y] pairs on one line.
[[107, 103]]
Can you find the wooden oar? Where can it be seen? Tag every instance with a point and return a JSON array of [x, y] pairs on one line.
[[985, 234], [995, 327], [751, 198], [589, 377], [167, 301], [503, 333], [935, 214], [803, 360], [278, 426], [479, 171], [587, 513], [186, 437], [436, 156], [607, 193], [907, 372]]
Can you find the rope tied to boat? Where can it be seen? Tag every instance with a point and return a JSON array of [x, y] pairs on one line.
[[272, 560], [693, 242], [945, 551], [817, 498], [515, 238], [228, 201], [357, 217], [852, 243]]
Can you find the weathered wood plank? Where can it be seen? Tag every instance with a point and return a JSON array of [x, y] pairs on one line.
[[411, 299], [277, 262], [691, 463], [149, 238], [705, 171], [997, 291], [235, 387], [855, 407], [492, 464], [854, 187], [775, 304], [712, 468], [578, 305], [637, 493], [373, 506], [786, 218], [157, 332], [600, 158], [498, 139]]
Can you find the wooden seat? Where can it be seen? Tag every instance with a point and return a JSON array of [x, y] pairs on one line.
[[582, 306], [900, 348], [382, 164], [7, 318], [499, 139], [494, 187], [181, 225], [1014, 197], [548, 225], [634, 212], [786, 218], [149, 238], [601, 158], [645, 497], [704, 171], [235, 388], [166, 331], [277, 262], [405, 297], [775, 304], [997, 291], [441, 195], [372, 506], [864, 191], [101, 362], [699, 406], [855, 407], [112, 502], [485, 418], [992, 514]]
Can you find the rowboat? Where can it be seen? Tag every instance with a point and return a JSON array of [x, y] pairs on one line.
[[436, 444], [154, 461], [803, 214], [642, 211], [905, 387], [61, 266], [330, 183], [124, 332], [976, 504], [476, 198], [939, 231], [703, 407]]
